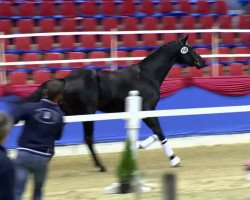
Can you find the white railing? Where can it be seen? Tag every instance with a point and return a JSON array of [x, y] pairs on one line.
[[157, 113], [126, 32], [106, 60]]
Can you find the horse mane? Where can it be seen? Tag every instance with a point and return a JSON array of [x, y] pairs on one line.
[[157, 51]]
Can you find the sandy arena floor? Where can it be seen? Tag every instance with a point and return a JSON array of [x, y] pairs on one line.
[[207, 173]]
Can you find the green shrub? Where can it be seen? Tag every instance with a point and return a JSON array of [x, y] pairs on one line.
[[127, 167]]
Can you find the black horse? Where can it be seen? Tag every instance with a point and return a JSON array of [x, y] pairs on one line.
[[87, 91]]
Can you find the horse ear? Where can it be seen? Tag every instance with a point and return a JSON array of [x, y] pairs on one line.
[[185, 39]]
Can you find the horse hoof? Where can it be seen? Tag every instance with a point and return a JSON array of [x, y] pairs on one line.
[[103, 169], [175, 162]]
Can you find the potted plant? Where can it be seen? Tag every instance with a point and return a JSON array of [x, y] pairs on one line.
[[126, 169]]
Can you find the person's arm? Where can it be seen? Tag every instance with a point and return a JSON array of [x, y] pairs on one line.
[[19, 112], [59, 131]]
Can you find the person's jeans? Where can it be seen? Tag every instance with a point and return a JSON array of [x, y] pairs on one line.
[[28, 163]]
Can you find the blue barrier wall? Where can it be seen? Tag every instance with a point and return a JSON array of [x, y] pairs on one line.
[[190, 97]]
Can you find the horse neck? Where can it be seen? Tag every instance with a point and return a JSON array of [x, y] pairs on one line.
[[157, 65]]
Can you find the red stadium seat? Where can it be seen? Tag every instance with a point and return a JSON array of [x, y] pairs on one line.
[[76, 55], [184, 6], [188, 22], [175, 72], [88, 41], [244, 21], [62, 73], [220, 7], [17, 78], [66, 42], [105, 41], [121, 54], [130, 23], [44, 43], [53, 56], [236, 69], [6, 10], [47, 25], [10, 58], [47, 9], [41, 76], [206, 38], [245, 38], [127, 8], [88, 8], [169, 23], [98, 54], [27, 9], [150, 40], [241, 50], [203, 7], [109, 23], [150, 23], [31, 57], [227, 38], [26, 26], [169, 37], [108, 8], [147, 7], [223, 50], [166, 6], [22, 43], [139, 53], [68, 9], [6, 26], [206, 21], [193, 39], [89, 24], [225, 21], [129, 40], [68, 25]]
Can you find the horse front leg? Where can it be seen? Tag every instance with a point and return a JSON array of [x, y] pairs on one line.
[[88, 136], [154, 125]]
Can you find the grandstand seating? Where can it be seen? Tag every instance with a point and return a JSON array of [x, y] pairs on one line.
[[62, 73], [41, 76], [236, 69], [53, 56], [17, 78], [67, 16], [175, 72], [31, 57], [10, 58]]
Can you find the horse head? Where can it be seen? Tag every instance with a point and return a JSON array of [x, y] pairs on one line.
[[188, 56]]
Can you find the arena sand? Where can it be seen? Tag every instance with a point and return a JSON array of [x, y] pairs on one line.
[[207, 173]]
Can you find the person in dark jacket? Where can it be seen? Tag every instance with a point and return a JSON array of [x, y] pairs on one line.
[[43, 125], [7, 172]]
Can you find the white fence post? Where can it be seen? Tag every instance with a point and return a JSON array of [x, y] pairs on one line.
[[133, 106]]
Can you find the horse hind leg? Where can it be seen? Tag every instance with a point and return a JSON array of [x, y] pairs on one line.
[[153, 124], [88, 136]]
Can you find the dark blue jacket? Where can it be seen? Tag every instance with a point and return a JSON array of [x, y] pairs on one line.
[[43, 125], [7, 176]]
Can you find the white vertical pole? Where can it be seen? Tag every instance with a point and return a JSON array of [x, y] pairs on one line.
[[114, 49], [133, 106], [215, 43], [3, 79]]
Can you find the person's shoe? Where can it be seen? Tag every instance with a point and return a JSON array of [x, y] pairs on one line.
[[175, 161]]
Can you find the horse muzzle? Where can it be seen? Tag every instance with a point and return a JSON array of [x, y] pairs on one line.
[[200, 63]]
